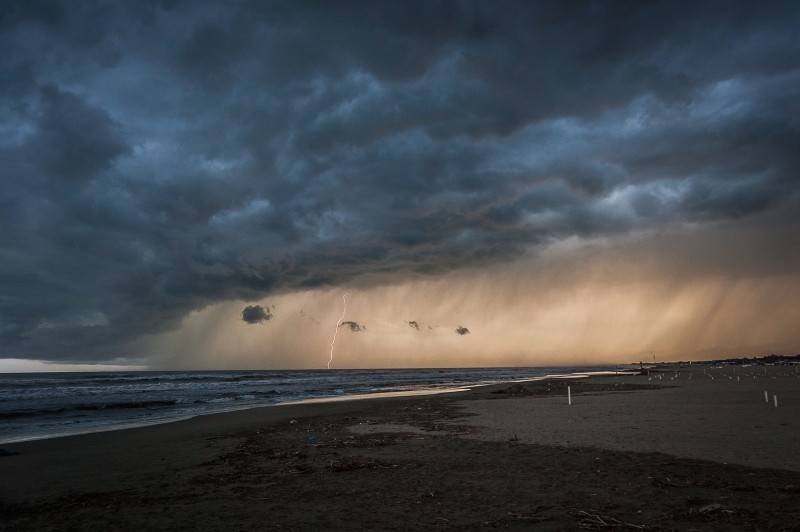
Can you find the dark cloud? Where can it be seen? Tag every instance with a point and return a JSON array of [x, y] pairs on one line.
[[353, 326], [419, 326], [462, 330], [73, 140], [158, 157], [256, 314]]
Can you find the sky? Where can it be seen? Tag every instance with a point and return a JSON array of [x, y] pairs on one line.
[[206, 185]]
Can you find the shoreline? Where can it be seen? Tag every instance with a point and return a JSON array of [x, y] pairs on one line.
[[124, 425], [467, 458]]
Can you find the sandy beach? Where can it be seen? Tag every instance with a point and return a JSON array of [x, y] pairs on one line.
[[684, 448]]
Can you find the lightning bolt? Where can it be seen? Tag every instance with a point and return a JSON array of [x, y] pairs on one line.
[[333, 342]]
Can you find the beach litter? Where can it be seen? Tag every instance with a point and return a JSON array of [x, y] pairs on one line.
[[707, 509], [589, 520], [338, 466]]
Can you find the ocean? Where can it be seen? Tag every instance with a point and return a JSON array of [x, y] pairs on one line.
[[46, 405]]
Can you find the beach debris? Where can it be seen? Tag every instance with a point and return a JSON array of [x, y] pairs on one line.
[[569, 396], [715, 512], [363, 441], [709, 508], [432, 426], [521, 518], [528, 518], [351, 464], [589, 520], [667, 482]]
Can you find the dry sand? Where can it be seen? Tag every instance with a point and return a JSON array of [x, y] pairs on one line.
[[637, 452], [720, 418]]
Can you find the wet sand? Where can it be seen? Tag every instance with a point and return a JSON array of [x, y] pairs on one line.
[[699, 449]]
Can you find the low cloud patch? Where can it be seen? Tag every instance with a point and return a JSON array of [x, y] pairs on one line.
[[256, 314]]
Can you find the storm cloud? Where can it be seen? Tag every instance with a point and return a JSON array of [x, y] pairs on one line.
[[353, 326], [256, 314], [159, 157]]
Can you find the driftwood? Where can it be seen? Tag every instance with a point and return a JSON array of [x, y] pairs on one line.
[[599, 521]]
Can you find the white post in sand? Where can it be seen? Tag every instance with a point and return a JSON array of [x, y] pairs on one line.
[[775, 398], [766, 396], [569, 396]]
